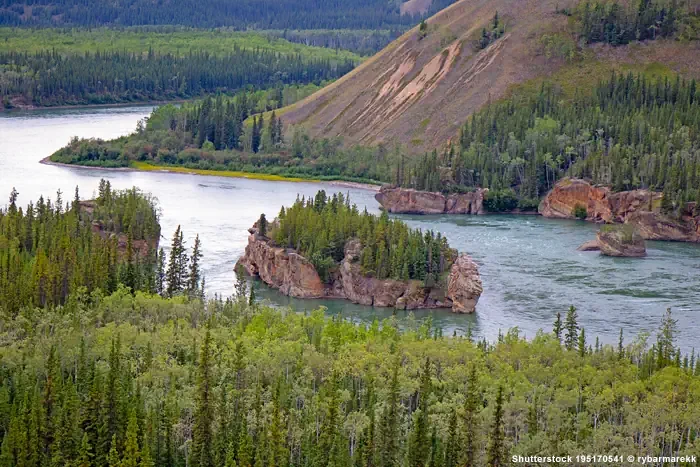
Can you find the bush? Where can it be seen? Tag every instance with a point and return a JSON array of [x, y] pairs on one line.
[[500, 200], [580, 212]]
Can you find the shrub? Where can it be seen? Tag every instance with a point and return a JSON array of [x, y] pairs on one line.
[[580, 212]]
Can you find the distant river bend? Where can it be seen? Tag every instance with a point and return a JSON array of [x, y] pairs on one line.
[[529, 265]]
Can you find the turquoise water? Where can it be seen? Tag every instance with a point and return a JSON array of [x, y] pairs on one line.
[[529, 265]]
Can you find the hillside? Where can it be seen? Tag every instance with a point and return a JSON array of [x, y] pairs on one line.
[[420, 89]]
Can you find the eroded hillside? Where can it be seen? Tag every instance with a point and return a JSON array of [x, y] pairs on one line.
[[420, 89]]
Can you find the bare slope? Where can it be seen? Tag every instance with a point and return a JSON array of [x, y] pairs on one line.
[[417, 92]]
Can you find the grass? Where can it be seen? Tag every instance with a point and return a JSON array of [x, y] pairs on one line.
[[146, 167], [176, 41], [583, 75]]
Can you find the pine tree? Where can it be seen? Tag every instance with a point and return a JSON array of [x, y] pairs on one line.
[[85, 453], [262, 225], [160, 273], [495, 454], [571, 327], [582, 343], [202, 438], [177, 265], [620, 346], [389, 424], [558, 327], [195, 275], [131, 445], [419, 447], [469, 425], [113, 458]]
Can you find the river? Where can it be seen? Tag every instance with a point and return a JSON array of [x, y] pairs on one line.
[[529, 265]]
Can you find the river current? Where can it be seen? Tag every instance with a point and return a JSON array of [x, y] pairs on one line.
[[529, 265]]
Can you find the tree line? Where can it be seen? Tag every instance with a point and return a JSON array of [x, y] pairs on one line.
[[238, 133], [49, 78], [630, 132], [319, 228], [51, 249], [140, 380], [242, 15], [617, 23]]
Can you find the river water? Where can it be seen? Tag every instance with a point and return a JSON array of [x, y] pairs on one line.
[[529, 265]]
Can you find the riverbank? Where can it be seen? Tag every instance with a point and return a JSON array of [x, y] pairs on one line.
[[31, 107], [145, 167]]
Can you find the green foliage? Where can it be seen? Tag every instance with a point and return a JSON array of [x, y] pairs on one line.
[[500, 200], [246, 379], [626, 134], [580, 212], [213, 134], [321, 228], [618, 23], [48, 78], [49, 252], [492, 33]]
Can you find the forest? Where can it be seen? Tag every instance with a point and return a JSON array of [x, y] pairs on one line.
[[242, 14], [218, 133], [320, 227], [139, 380], [50, 250], [630, 132], [618, 23], [47, 78]]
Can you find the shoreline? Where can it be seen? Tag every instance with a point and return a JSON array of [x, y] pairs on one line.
[[144, 167], [91, 106]]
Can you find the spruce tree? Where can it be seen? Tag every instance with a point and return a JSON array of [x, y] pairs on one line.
[[85, 453], [495, 454], [195, 275], [389, 424], [469, 425], [202, 437], [419, 447], [558, 327], [571, 328], [113, 457]]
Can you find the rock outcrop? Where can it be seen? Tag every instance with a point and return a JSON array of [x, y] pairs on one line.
[[281, 268], [464, 285], [294, 275], [409, 201], [621, 241], [639, 208], [591, 245]]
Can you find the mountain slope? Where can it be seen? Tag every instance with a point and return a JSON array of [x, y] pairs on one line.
[[419, 90]]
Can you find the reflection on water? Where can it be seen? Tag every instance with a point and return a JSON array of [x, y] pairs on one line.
[[529, 265]]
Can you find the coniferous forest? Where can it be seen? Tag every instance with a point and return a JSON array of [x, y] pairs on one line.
[[131, 378], [320, 227], [50, 78], [242, 14], [631, 132]]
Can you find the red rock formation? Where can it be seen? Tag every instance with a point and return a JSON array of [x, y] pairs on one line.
[[281, 268], [640, 208], [621, 241], [294, 275], [409, 201]]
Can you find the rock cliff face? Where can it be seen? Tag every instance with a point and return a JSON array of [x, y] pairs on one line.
[[409, 201], [639, 208], [624, 242], [294, 275]]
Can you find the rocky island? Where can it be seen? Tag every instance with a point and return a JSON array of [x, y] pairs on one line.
[[325, 248], [621, 241], [409, 201], [570, 198]]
